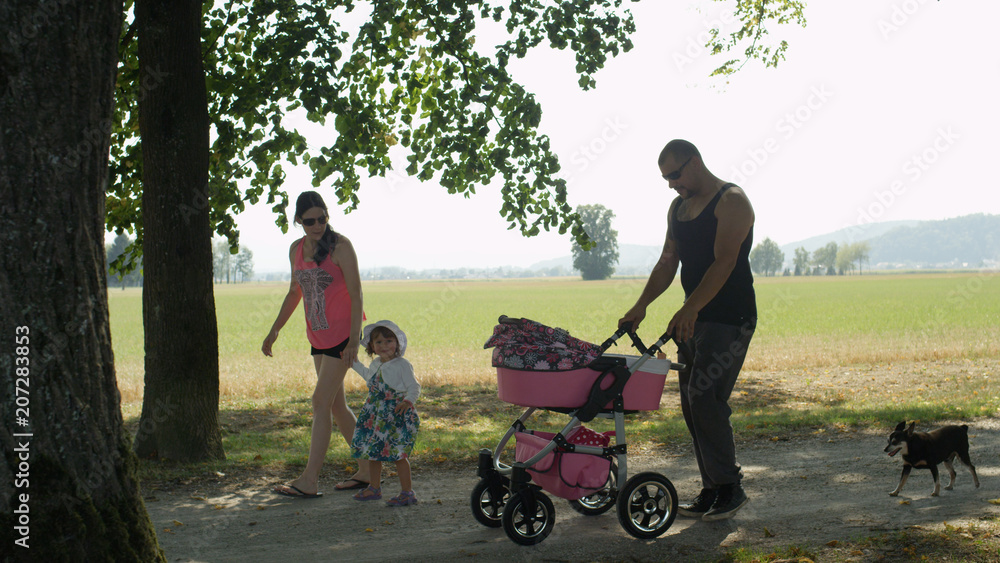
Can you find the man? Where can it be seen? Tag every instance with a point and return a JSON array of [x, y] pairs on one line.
[[709, 234]]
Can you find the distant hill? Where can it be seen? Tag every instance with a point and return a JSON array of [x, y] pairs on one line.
[[632, 259], [970, 241], [857, 233]]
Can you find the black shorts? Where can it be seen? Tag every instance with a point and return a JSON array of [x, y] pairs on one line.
[[332, 352]]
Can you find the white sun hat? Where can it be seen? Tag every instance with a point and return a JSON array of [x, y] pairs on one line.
[[366, 335]]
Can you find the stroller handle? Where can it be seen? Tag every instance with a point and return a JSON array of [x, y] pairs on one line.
[[626, 328], [682, 347]]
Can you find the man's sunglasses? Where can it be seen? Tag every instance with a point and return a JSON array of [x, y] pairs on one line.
[[677, 173], [311, 222]]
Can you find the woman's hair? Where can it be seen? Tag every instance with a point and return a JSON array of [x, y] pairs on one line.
[[305, 202], [384, 332]]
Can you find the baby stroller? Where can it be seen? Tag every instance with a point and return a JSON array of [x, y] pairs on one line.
[[543, 367]]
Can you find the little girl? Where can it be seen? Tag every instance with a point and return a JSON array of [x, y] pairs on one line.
[[387, 424]]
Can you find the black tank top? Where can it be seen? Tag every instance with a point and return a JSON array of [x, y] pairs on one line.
[[736, 303]]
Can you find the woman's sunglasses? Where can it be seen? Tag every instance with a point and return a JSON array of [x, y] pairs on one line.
[[311, 222]]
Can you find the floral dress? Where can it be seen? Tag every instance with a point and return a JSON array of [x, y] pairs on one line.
[[381, 434]]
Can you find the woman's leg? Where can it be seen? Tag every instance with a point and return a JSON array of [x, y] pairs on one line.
[[330, 374], [346, 420]]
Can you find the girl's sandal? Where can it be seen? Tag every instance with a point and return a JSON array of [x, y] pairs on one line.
[[404, 498], [370, 493]]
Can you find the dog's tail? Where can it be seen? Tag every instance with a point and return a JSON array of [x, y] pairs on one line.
[[965, 429]]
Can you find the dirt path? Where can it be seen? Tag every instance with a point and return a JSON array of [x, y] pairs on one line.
[[803, 491]]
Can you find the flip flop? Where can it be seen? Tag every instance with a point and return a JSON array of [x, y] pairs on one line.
[[358, 484], [293, 491]]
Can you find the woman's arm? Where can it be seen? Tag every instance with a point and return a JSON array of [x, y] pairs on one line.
[[288, 306], [345, 257]]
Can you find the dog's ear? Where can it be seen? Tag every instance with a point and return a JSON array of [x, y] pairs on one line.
[[909, 429], [900, 426]]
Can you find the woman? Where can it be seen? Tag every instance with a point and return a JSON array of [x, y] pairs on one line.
[[325, 277]]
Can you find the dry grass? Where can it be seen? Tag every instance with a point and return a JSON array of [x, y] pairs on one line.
[[818, 351]]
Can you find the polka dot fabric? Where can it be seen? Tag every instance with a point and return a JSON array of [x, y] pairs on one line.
[[583, 436]]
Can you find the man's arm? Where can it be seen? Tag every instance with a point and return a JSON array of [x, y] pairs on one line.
[[736, 217], [659, 279]]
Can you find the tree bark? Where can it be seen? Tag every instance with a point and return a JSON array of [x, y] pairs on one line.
[[68, 486], [179, 419]]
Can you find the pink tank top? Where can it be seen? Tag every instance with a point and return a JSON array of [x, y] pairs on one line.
[[326, 300]]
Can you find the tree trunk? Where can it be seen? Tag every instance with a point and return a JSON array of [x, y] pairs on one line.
[[68, 486], [180, 404]]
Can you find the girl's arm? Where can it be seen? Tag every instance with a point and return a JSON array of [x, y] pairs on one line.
[[288, 306], [403, 370], [366, 372]]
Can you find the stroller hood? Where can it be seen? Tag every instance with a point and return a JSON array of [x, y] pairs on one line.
[[528, 345]]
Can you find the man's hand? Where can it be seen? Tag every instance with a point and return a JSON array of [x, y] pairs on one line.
[[635, 315], [682, 323]]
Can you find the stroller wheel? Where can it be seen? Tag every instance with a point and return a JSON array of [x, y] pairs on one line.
[[488, 499], [647, 505], [528, 517], [600, 501]]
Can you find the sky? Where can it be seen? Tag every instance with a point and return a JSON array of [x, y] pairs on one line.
[[883, 110]]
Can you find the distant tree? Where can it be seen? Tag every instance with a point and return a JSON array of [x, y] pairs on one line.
[[243, 264], [598, 262], [853, 255], [766, 258], [222, 261], [801, 261], [119, 247], [861, 253], [826, 258], [846, 258]]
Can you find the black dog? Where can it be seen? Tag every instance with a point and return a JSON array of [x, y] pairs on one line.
[[928, 449]]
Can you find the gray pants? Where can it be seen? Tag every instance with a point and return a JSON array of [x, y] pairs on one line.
[[719, 351]]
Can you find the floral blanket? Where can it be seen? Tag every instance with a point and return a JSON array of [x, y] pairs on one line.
[[531, 346]]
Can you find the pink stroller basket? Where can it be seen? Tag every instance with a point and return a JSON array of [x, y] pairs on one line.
[[566, 475]]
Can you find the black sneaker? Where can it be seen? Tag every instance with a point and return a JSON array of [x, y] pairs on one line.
[[700, 505], [731, 498]]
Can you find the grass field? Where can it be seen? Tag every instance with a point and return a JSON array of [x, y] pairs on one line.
[[805, 322]]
